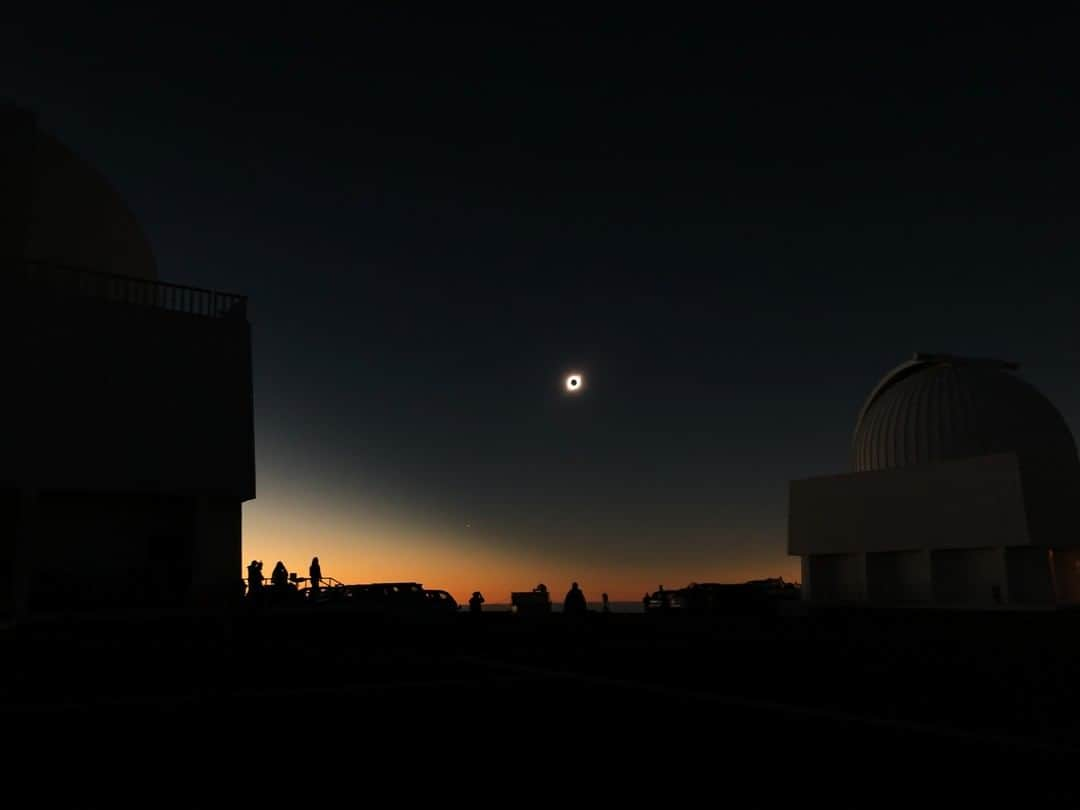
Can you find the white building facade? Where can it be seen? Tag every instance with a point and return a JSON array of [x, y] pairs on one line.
[[964, 493]]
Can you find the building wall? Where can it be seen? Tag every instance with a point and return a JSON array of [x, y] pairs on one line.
[[971, 503], [1050, 497], [126, 417], [66, 550], [94, 550], [9, 546], [129, 437], [114, 397]]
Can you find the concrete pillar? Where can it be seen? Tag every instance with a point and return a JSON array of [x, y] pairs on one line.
[[1031, 575], [836, 577], [975, 577], [1065, 565], [215, 550], [862, 592], [898, 577], [9, 526], [24, 537], [1003, 573]]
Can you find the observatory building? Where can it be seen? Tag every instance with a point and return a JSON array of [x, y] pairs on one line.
[[128, 443], [964, 493]]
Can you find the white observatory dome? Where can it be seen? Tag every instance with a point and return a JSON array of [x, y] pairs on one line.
[[78, 220], [939, 407]]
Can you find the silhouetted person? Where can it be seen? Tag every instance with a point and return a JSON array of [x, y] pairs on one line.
[[475, 602], [315, 574], [574, 603], [604, 599], [255, 577], [280, 577]]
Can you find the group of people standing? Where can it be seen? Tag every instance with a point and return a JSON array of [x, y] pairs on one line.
[[280, 578]]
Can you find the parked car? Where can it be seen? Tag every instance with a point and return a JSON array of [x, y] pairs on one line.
[[531, 603], [441, 601], [709, 598]]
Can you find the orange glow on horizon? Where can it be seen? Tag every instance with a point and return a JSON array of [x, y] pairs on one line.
[[381, 548]]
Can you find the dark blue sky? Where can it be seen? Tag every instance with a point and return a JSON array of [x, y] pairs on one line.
[[734, 229]]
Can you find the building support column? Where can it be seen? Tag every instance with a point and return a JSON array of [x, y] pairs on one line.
[[24, 538], [216, 568], [1003, 575], [863, 588]]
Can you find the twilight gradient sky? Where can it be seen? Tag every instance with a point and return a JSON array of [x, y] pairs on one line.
[[733, 230]]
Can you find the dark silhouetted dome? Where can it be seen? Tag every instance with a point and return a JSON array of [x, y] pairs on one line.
[[938, 407], [77, 218]]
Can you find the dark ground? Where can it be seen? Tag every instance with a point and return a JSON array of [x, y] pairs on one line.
[[920, 703]]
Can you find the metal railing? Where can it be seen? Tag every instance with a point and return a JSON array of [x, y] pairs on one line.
[[324, 583], [142, 292], [301, 584]]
